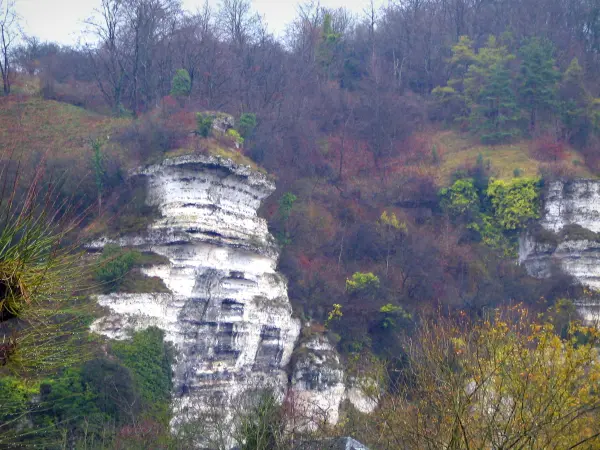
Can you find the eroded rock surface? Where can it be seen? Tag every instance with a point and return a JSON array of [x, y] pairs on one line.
[[318, 385], [567, 239], [228, 312]]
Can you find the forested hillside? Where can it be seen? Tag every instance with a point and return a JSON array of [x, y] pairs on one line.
[[411, 147]]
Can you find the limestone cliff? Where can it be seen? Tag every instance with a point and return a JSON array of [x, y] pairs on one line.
[[566, 238], [227, 311], [318, 385]]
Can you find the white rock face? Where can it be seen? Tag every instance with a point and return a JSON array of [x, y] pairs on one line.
[[318, 386], [574, 202], [571, 203], [228, 313]]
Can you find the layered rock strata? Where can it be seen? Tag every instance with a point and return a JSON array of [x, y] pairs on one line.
[[227, 312], [567, 239], [319, 386]]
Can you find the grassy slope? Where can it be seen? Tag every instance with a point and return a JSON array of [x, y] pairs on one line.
[[58, 129], [31, 127], [459, 151]]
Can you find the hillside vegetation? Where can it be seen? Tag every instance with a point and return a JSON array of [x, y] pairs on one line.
[[411, 147]]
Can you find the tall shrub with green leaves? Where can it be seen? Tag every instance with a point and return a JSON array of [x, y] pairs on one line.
[[514, 202], [150, 359], [363, 283], [181, 85], [246, 124], [204, 124], [114, 264]]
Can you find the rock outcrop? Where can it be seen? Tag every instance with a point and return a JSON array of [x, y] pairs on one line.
[[318, 385], [228, 313], [566, 239]]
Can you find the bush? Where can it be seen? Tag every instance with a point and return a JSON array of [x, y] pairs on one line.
[[514, 202], [362, 283], [557, 171], [149, 137], [262, 427], [114, 264], [204, 125], [149, 358], [247, 125], [85, 399], [461, 198], [548, 149], [235, 136], [181, 85]]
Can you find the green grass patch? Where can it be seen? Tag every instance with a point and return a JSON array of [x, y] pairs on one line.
[[212, 147], [136, 282], [460, 151], [60, 129]]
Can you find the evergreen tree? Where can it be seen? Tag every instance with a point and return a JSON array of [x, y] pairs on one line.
[[537, 79], [489, 85], [181, 86], [451, 98], [330, 46], [574, 103]]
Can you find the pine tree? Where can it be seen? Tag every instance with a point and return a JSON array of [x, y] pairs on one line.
[[181, 85], [537, 79], [574, 103], [489, 85]]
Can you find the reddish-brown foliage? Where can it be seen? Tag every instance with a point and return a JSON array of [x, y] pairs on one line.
[[547, 148], [145, 434]]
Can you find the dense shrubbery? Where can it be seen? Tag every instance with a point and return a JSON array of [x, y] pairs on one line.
[[496, 211], [114, 264], [87, 404]]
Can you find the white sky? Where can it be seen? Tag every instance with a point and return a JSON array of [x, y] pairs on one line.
[[62, 20]]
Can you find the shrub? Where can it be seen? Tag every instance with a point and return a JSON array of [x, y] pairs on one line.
[[148, 137], [247, 124], [114, 264], [181, 85], [235, 136], [263, 425], [362, 283], [548, 149], [556, 171], [514, 202], [393, 315], [204, 125], [461, 198], [149, 358]]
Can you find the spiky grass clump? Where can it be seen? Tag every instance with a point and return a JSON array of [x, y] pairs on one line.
[[40, 274]]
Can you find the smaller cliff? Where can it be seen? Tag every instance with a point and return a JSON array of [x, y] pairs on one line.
[[319, 385], [567, 238]]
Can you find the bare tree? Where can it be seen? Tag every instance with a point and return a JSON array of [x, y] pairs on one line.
[[9, 29], [109, 59], [150, 25], [238, 24]]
